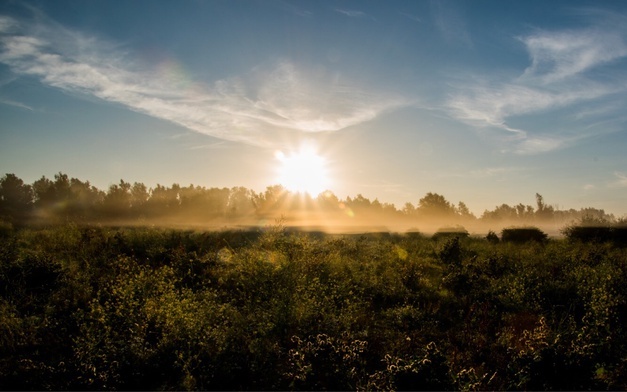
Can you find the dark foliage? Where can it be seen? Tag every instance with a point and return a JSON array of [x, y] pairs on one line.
[[492, 237], [96, 308], [450, 232], [523, 234], [606, 233]]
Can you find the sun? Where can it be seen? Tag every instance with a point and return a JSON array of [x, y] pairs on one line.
[[303, 171]]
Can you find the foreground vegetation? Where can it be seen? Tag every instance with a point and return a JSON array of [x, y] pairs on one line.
[[130, 308]]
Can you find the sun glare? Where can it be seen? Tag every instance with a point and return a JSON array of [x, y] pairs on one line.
[[303, 171]]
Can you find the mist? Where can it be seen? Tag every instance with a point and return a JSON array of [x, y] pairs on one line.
[[64, 199]]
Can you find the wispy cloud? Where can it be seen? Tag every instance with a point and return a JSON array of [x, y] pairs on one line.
[[256, 108], [562, 74], [556, 56], [450, 23], [16, 104], [352, 13], [621, 180], [589, 187], [495, 172], [410, 16]]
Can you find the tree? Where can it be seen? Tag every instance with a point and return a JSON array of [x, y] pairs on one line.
[[117, 202], [272, 200], [16, 198], [85, 199], [44, 193], [543, 211], [409, 209], [359, 203], [464, 212], [53, 198], [328, 201], [240, 202], [164, 201], [502, 212], [139, 198], [433, 205]]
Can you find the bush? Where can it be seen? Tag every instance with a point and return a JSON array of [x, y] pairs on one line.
[[601, 233], [588, 233], [619, 235], [450, 232], [522, 235], [492, 237], [137, 308]]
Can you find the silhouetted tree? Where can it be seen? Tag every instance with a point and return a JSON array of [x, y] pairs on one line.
[[389, 209], [53, 199], [139, 198], [84, 199], [203, 203], [163, 201], [433, 205], [240, 202], [464, 212], [359, 203], [117, 202], [503, 212], [270, 201], [543, 211], [44, 193], [409, 209], [328, 201], [16, 198]]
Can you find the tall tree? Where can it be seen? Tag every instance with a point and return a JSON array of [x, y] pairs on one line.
[[433, 205], [543, 211], [464, 212], [117, 201], [240, 202], [16, 198]]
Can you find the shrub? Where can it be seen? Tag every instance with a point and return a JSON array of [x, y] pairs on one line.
[[523, 234], [492, 237], [450, 232], [596, 233], [425, 370], [619, 235], [6, 229], [588, 233]]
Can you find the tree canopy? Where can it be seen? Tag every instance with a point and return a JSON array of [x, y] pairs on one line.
[[65, 198]]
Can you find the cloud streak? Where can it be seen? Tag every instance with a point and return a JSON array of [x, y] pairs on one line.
[[563, 73], [621, 180], [16, 104], [559, 55], [351, 13], [256, 108]]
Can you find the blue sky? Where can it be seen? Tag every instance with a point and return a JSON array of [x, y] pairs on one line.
[[485, 102]]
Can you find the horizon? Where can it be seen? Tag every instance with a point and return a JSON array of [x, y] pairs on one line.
[[486, 103], [70, 200]]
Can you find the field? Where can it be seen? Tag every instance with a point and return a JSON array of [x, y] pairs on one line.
[[89, 307]]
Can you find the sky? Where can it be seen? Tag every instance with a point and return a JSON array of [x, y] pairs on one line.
[[485, 102]]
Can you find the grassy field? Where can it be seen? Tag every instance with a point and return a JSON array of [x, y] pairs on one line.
[[145, 308]]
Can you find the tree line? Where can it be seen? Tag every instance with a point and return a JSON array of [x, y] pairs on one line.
[[70, 199]]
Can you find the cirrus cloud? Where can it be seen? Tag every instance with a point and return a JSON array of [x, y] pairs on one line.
[[565, 72], [256, 108]]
